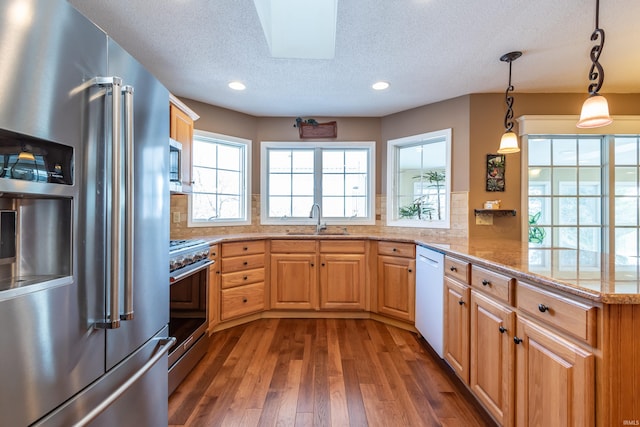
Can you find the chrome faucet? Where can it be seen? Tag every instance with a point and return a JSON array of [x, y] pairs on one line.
[[319, 225]]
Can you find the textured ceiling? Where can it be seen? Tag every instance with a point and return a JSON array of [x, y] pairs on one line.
[[429, 50]]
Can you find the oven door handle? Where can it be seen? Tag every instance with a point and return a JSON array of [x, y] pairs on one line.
[[182, 275]]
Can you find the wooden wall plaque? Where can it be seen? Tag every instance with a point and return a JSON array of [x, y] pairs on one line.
[[321, 130]]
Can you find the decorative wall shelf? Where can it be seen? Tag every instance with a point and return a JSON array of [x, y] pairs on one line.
[[495, 212], [320, 130]]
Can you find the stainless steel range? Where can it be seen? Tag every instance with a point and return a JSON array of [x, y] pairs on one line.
[[189, 279]]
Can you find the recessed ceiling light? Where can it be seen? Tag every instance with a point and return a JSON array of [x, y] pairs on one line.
[[380, 85], [237, 86]]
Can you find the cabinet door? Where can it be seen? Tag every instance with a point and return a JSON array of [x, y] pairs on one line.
[[492, 356], [342, 281], [181, 129], [555, 383], [293, 281], [396, 287], [456, 327]]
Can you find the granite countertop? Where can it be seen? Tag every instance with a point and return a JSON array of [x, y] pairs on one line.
[[589, 275]]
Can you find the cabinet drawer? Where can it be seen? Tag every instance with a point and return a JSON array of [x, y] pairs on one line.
[[571, 316], [457, 269], [407, 250], [239, 278], [243, 248], [242, 300], [293, 246], [242, 263], [495, 284], [342, 246]]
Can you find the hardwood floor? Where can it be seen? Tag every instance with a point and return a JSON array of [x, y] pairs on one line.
[[320, 372]]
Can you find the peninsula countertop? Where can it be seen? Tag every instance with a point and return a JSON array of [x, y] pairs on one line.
[[590, 275]]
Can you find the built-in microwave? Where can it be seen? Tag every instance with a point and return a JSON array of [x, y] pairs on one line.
[[175, 165]]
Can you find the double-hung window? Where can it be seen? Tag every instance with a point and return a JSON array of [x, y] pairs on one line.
[[338, 176], [221, 180]]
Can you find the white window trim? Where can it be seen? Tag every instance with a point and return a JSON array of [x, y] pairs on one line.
[[246, 187], [392, 184], [264, 218]]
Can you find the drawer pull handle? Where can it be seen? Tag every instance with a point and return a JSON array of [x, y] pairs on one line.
[[452, 268], [244, 278], [461, 302], [485, 282], [244, 300], [517, 340], [502, 329], [245, 263], [542, 308]]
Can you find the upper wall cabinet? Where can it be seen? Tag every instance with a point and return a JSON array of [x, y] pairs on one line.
[[181, 129]]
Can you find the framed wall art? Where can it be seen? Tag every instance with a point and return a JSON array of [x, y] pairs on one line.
[[495, 172]]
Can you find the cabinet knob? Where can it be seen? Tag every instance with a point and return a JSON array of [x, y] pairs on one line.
[[217, 272], [394, 250], [244, 300], [502, 329], [461, 302], [312, 264], [244, 248], [517, 340], [452, 268], [542, 308], [244, 278], [485, 282], [245, 263], [322, 264], [410, 270]]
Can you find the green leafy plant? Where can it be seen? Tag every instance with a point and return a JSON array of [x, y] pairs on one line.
[[422, 207], [536, 234]]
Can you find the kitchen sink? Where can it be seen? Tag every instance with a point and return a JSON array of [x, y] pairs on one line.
[[313, 233]]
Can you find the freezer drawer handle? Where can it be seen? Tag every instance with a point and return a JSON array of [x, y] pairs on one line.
[[166, 344]]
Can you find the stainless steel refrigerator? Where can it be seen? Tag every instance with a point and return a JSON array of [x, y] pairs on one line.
[[84, 225]]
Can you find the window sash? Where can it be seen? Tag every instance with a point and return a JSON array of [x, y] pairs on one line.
[[289, 191]]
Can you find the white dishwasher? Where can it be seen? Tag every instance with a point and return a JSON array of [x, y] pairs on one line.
[[430, 296]]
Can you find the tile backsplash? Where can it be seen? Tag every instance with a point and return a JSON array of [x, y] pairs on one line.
[[459, 221]]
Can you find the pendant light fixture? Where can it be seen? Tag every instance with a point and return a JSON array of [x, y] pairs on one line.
[[595, 110], [509, 141]]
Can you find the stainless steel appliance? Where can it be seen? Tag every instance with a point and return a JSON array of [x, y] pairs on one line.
[[84, 300], [189, 277], [175, 165]]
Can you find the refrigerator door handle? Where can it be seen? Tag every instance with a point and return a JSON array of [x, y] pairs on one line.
[[129, 202], [112, 318], [166, 344]]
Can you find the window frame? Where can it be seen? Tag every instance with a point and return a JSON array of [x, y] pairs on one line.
[[317, 146], [246, 187], [392, 182]]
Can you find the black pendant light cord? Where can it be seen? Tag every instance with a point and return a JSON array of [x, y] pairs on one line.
[[508, 122], [596, 73]]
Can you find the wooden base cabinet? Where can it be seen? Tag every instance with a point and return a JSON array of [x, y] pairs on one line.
[[492, 356], [555, 383], [293, 281], [456, 327], [342, 281]]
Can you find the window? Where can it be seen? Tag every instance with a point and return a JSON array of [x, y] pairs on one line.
[[337, 176], [418, 180], [221, 175]]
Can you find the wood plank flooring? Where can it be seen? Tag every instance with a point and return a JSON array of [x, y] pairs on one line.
[[321, 372]]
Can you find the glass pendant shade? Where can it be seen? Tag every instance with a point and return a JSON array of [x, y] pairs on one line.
[[509, 143], [595, 112]]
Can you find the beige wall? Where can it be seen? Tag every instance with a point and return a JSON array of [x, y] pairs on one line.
[[477, 123]]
